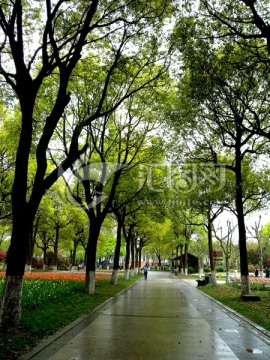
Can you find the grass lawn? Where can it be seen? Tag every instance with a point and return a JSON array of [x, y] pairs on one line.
[[50, 304]]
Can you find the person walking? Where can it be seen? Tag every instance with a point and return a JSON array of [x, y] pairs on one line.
[[145, 272], [267, 273], [256, 271]]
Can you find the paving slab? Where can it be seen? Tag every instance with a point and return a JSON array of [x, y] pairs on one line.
[[162, 317]]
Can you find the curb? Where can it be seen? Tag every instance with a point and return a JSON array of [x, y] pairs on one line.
[[255, 328]]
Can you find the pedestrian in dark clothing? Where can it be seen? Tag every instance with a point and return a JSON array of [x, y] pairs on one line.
[[145, 271], [256, 271], [267, 272]]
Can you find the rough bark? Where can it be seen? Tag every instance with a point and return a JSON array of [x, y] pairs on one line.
[[181, 266], [114, 279], [132, 272], [126, 274], [55, 246], [127, 235], [91, 250], [132, 251], [186, 258], [227, 270], [211, 253], [90, 282], [10, 312], [245, 287]]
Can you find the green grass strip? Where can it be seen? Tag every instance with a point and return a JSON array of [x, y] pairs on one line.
[[230, 295]]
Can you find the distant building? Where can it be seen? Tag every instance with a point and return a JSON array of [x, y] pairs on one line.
[[218, 256], [193, 261]]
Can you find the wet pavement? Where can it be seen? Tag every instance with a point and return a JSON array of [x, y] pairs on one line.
[[162, 317]]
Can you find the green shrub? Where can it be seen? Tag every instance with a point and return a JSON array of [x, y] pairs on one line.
[[62, 267], [164, 268], [220, 268], [191, 270], [206, 269]]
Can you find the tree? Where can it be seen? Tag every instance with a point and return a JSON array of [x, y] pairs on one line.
[[199, 246], [42, 234], [157, 236], [59, 220], [183, 224], [26, 87], [6, 164], [226, 244], [128, 232], [61, 34], [257, 232], [225, 98], [115, 143], [198, 194], [76, 234], [133, 188], [245, 22], [123, 207], [44, 242]]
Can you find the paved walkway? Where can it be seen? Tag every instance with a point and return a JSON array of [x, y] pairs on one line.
[[161, 318]]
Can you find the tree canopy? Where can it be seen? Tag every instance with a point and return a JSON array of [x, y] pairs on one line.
[[129, 122]]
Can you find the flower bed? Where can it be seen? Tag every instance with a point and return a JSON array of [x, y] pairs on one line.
[[256, 283], [253, 280], [44, 287], [64, 276]]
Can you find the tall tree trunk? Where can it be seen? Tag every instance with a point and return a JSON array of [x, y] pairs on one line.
[[22, 213], [245, 286], [227, 261], [10, 313], [45, 248], [140, 257], [114, 278], [181, 265], [177, 264], [210, 249], [55, 247], [127, 236], [186, 258], [132, 250], [126, 275], [94, 231], [74, 252], [137, 259]]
